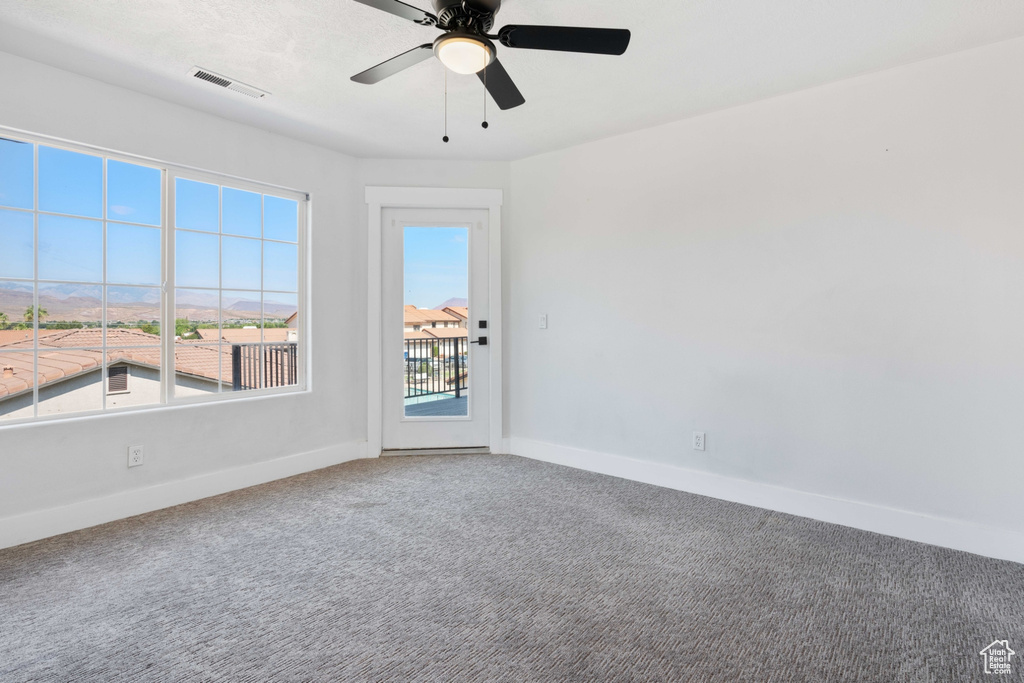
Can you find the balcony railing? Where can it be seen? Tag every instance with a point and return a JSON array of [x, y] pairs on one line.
[[275, 366], [436, 366]]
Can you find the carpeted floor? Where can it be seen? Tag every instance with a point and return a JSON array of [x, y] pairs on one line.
[[494, 568]]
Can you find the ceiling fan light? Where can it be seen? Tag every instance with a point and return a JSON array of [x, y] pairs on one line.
[[464, 54]]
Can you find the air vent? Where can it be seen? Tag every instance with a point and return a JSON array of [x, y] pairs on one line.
[[117, 376], [229, 83]]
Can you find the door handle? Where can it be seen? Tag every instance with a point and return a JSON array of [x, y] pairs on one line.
[[482, 341]]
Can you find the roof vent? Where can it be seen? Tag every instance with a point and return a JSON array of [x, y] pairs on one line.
[[8, 372], [229, 83]]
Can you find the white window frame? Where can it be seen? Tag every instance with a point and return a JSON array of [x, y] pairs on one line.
[[170, 172]]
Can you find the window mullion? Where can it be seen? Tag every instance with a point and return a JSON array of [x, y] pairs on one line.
[[103, 296], [35, 282], [167, 296]]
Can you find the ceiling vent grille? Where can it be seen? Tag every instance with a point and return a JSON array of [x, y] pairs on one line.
[[228, 83]]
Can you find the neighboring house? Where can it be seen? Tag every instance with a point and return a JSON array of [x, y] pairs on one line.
[[250, 335], [424, 318], [69, 370], [12, 336], [447, 332], [435, 333], [440, 342], [460, 312]]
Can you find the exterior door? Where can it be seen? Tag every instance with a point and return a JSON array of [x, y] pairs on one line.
[[434, 328]]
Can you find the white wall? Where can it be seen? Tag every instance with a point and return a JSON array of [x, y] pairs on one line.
[[63, 463], [830, 284]]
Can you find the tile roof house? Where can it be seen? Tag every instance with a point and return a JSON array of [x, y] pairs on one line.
[[11, 336], [446, 332], [437, 333], [66, 355], [249, 335], [423, 318], [460, 312], [442, 342]]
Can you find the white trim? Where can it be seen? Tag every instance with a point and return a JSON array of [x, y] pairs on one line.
[[957, 534], [32, 526], [374, 334], [434, 451], [380, 198]]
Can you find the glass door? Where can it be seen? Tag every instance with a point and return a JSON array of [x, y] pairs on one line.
[[434, 326]]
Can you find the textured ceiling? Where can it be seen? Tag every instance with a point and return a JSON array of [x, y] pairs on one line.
[[687, 57]]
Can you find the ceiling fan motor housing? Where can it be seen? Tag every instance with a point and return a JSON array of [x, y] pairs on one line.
[[475, 16]]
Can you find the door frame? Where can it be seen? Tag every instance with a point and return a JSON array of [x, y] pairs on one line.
[[380, 198]]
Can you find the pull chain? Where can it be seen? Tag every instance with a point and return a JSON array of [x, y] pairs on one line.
[[484, 124], [445, 138]]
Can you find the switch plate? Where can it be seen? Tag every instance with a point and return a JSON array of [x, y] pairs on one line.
[[544, 321], [134, 456], [698, 441]]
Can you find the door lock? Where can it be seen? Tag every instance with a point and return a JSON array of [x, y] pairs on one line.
[[482, 341]]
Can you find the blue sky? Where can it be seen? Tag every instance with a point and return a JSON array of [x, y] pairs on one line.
[[436, 265], [71, 246]]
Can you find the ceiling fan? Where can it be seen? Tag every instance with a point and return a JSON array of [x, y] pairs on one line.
[[465, 47]]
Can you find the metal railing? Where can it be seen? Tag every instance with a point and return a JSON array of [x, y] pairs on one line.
[[436, 366], [256, 366]]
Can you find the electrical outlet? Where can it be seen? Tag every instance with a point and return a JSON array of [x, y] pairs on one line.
[[134, 456], [698, 441]]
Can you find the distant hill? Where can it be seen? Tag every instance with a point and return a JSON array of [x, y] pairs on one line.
[[82, 303], [452, 302]]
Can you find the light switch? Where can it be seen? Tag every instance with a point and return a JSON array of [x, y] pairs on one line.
[[544, 321]]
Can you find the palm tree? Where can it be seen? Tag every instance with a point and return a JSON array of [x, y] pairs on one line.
[[3, 317], [29, 316]]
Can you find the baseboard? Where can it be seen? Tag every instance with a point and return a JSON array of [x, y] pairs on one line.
[[412, 452], [33, 526], [948, 533]]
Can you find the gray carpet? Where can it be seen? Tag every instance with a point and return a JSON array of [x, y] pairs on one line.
[[493, 568]]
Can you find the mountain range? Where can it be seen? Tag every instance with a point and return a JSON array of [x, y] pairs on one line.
[[82, 303], [454, 302]]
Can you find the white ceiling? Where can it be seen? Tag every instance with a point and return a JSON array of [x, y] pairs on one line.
[[687, 57]]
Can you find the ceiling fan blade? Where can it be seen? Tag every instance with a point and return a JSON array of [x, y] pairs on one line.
[[598, 41], [402, 10], [403, 61], [505, 93]]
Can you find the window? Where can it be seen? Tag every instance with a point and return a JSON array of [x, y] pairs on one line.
[[111, 267], [237, 285]]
